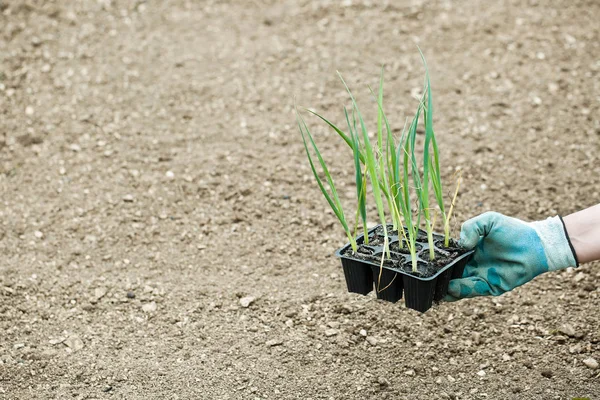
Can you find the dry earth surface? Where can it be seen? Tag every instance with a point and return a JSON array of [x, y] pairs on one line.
[[161, 236]]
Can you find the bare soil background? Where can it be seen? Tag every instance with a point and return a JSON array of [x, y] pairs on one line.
[[153, 184]]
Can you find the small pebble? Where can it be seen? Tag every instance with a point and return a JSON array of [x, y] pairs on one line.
[[383, 382], [74, 343], [75, 147], [128, 198], [130, 295], [38, 234], [99, 293], [547, 373], [372, 341], [246, 301], [149, 307], [273, 342], [567, 330], [331, 332], [591, 363]]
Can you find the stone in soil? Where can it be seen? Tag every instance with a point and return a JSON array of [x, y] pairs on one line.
[[591, 363], [383, 382], [247, 301], [273, 342], [99, 293], [74, 343], [149, 307], [547, 373], [567, 330], [372, 341]]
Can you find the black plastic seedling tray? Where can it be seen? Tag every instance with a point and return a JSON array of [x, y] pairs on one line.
[[390, 282]]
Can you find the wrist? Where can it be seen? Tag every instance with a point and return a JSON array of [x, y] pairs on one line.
[[583, 229]]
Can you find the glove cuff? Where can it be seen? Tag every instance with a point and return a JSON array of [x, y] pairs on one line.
[[569, 240], [557, 246]]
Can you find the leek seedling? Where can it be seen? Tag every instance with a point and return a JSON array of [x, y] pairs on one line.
[[361, 184], [392, 183], [333, 199], [371, 164], [431, 165], [412, 226], [383, 161], [398, 185], [424, 190]]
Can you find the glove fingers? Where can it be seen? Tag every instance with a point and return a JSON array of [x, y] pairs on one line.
[[468, 287], [475, 228]]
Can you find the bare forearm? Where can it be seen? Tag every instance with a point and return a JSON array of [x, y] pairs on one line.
[[584, 231]]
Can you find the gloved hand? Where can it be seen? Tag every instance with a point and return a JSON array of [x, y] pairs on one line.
[[508, 253]]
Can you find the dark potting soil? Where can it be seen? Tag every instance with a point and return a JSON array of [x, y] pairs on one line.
[[424, 269], [376, 240], [395, 247], [390, 231], [365, 250], [365, 256], [453, 246]]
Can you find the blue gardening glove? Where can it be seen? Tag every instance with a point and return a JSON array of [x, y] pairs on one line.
[[509, 253]]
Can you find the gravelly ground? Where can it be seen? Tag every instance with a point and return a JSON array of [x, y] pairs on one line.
[[151, 176]]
